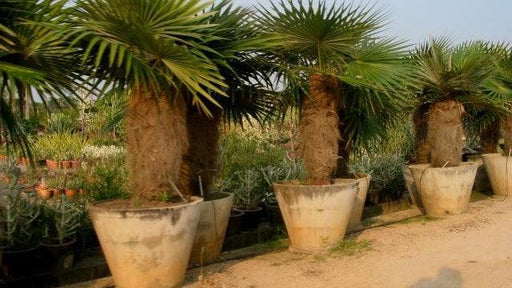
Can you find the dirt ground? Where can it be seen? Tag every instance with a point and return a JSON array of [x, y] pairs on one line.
[[464, 251]]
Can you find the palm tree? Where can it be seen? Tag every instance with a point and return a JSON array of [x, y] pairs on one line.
[[35, 60], [233, 48], [157, 50], [452, 80], [344, 77]]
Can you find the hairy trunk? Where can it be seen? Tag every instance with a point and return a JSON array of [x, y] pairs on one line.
[[200, 161], [319, 129], [344, 149], [156, 138], [506, 127], [421, 145], [445, 133], [489, 139]]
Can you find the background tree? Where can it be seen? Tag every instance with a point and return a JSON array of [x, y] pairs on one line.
[[453, 80], [155, 49], [344, 78]]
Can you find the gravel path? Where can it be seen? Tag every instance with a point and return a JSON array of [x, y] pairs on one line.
[[464, 251]]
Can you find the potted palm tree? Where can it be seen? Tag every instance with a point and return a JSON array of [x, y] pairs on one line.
[[450, 78], [156, 51], [488, 124], [336, 52]]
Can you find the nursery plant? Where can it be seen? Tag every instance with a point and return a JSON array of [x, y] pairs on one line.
[[339, 71], [452, 79]]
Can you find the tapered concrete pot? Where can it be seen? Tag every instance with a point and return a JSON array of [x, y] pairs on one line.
[[146, 247], [499, 171], [411, 188], [444, 191], [316, 216], [211, 230], [357, 212]]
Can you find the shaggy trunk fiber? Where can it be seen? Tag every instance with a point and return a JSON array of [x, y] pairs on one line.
[[200, 161], [445, 133], [319, 129], [422, 147], [506, 126], [344, 149], [156, 139], [489, 139]]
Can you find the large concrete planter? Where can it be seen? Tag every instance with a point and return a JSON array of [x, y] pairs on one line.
[[499, 171], [444, 191], [146, 247], [357, 212], [211, 230], [411, 188], [316, 216]]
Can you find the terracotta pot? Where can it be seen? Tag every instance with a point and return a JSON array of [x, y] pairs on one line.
[[499, 170], [211, 230], [235, 222], [24, 161], [52, 165], [444, 191], [357, 212], [69, 192], [66, 164], [146, 247], [316, 216], [75, 164], [44, 193], [57, 192], [57, 257]]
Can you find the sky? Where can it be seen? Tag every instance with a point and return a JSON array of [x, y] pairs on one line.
[[461, 20]]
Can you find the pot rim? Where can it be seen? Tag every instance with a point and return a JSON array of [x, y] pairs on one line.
[[69, 243], [94, 206], [350, 182], [225, 195], [491, 155], [429, 166], [259, 208]]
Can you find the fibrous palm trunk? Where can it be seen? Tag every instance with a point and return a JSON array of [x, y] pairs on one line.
[[319, 128], [200, 161], [344, 149], [422, 147], [506, 126], [445, 133], [489, 139], [156, 138]]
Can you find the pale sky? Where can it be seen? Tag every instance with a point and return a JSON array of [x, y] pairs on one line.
[[417, 20]]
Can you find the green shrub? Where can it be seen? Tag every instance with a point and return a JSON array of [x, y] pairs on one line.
[[63, 122], [60, 146], [105, 180]]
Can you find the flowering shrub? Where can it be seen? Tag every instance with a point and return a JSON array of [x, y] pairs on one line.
[[102, 152]]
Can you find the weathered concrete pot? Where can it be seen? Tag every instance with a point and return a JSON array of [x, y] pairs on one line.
[[499, 170], [316, 216], [411, 188], [146, 247], [357, 212], [444, 191], [482, 181], [211, 230]]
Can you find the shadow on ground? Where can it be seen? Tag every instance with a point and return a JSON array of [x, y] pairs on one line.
[[446, 278]]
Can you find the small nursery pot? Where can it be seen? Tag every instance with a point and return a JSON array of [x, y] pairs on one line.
[[75, 164], [211, 230], [235, 222], [146, 247], [274, 213], [499, 170], [58, 257], [357, 212], [316, 216], [52, 165], [251, 218], [44, 193], [66, 164], [18, 263], [444, 191], [69, 192]]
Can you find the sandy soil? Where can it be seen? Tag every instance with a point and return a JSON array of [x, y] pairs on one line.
[[464, 251]]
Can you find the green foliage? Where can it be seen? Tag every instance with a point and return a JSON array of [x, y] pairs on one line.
[[19, 214], [64, 122], [105, 180], [62, 217], [60, 146]]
